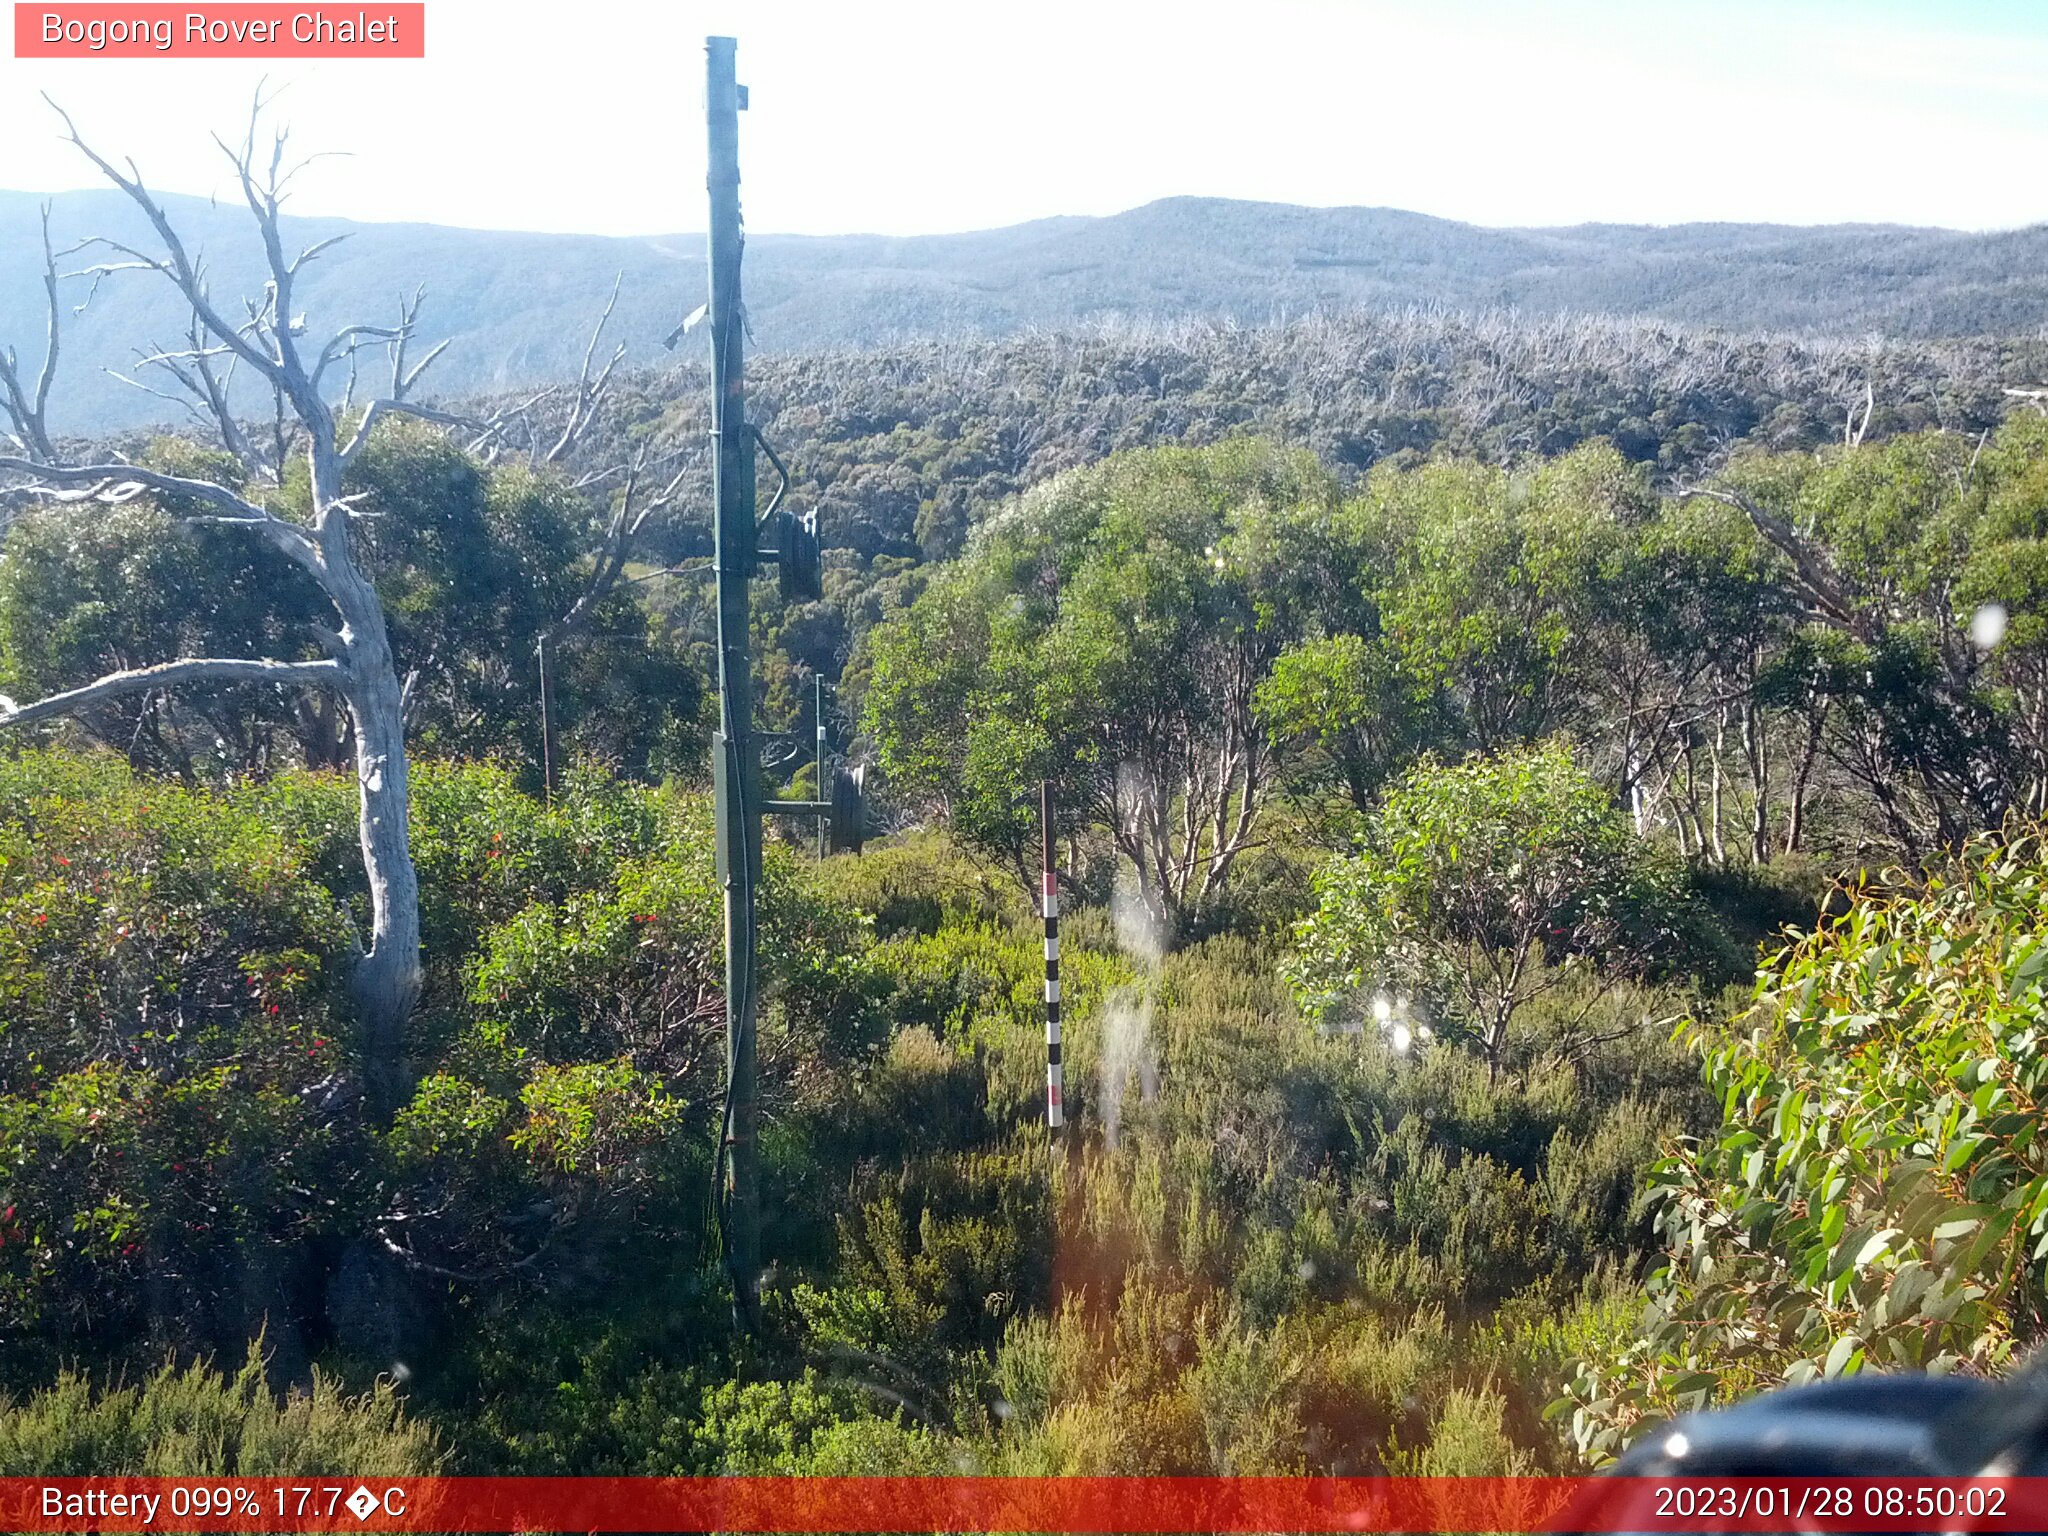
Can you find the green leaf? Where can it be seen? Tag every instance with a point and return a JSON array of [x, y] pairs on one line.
[[1956, 1227], [1993, 1233], [1844, 1357]]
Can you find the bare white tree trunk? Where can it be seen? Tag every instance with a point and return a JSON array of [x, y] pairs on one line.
[[1720, 850], [1795, 820], [387, 977], [360, 667]]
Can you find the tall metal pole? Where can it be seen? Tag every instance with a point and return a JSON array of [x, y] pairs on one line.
[[736, 761], [819, 786], [1055, 1073]]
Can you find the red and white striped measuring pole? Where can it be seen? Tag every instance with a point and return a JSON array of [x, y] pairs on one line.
[[1055, 1077]]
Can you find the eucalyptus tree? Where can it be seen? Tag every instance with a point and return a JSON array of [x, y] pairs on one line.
[[1488, 583], [1109, 632], [1914, 565], [1349, 717], [1687, 649], [2003, 587]]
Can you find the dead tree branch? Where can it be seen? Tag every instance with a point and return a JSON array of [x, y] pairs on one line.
[[628, 518], [173, 674], [590, 392], [28, 406], [1813, 573]]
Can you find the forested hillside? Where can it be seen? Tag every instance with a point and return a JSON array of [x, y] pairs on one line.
[[903, 452], [516, 305], [1548, 815], [902, 449]]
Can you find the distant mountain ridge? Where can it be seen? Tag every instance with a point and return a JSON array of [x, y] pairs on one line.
[[518, 306]]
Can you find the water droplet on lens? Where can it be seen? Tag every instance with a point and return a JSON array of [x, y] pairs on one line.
[[1987, 626]]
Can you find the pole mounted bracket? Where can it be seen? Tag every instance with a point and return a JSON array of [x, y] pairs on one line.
[[799, 562], [846, 822], [790, 539], [845, 814]]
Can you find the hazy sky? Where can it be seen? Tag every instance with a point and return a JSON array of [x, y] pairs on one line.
[[908, 118]]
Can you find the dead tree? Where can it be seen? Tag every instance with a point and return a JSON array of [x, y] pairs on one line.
[[266, 340], [27, 402], [636, 505], [629, 516]]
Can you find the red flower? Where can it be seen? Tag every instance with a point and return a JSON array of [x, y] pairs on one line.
[[64, 861], [42, 917], [273, 1007]]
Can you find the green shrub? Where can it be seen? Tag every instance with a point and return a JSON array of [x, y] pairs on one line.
[[1876, 1193], [175, 1055], [1246, 1386], [482, 848], [566, 1382], [1474, 890], [198, 1422], [184, 1157], [811, 1425], [1371, 1380], [921, 882], [941, 1255]]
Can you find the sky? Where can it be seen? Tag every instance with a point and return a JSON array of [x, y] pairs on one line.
[[907, 117]]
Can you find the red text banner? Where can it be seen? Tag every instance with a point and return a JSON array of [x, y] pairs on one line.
[[220, 31], [1120, 1506]]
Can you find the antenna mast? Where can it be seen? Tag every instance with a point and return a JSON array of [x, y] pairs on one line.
[[738, 790], [736, 763]]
